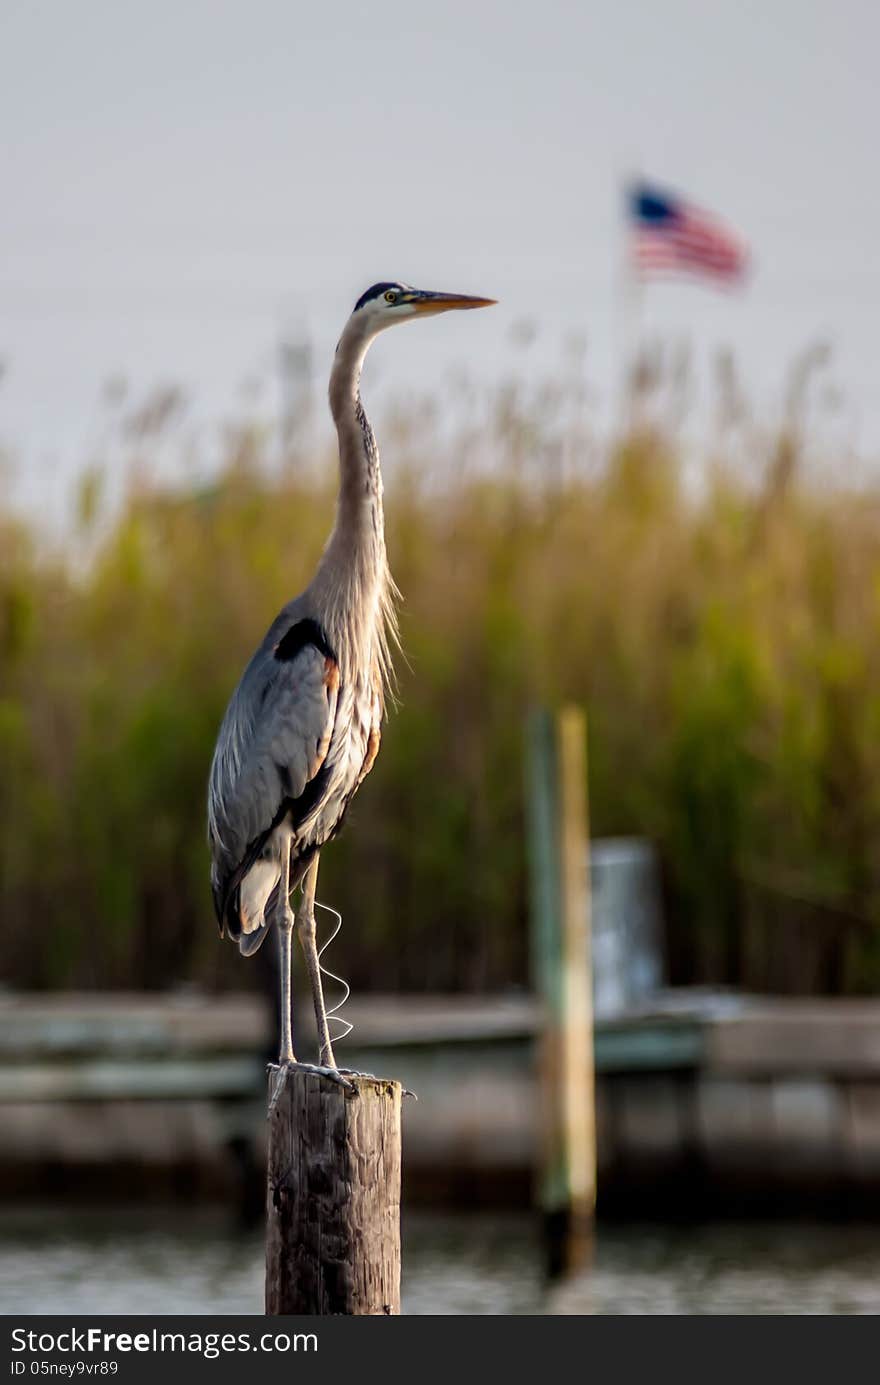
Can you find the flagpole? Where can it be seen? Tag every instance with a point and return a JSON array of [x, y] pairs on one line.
[[629, 310]]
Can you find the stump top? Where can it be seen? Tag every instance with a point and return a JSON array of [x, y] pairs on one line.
[[360, 1083]]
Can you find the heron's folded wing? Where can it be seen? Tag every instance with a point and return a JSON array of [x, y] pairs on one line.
[[272, 745]]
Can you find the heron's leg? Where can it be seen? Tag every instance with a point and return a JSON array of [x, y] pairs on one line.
[[308, 938], [285, 933]]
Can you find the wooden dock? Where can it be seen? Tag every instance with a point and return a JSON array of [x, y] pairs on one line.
[[702, 1100]]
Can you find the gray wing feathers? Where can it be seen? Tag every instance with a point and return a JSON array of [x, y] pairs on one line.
[[273, 740]]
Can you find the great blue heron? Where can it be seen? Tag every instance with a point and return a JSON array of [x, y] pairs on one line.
[[302, 728]]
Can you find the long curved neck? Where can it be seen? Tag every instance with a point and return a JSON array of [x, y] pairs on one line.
[[352, 581], [360, 479]]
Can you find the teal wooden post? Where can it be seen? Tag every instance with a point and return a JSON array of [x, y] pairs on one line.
[[558, 836]]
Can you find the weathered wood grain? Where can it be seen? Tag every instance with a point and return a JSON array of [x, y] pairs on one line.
[[333, 1197]]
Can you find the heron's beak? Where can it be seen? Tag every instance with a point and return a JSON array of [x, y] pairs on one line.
[[427, 303]]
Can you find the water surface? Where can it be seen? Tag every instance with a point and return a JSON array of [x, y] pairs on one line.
[[179, 1261]]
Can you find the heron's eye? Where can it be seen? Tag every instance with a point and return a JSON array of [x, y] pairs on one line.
[[390, 297]]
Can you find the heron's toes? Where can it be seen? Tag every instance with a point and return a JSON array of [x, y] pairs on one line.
[[278, 1073], [337, 1075]]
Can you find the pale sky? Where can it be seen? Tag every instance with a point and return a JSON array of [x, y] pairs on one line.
[[180, 179]]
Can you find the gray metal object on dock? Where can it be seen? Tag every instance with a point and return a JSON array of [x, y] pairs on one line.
[[627, 927]]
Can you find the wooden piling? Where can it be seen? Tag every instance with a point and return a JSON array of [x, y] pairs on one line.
[[560, 914], [333, 1199]]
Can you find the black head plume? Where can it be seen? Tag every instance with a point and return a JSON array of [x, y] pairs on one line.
[[375, 291]]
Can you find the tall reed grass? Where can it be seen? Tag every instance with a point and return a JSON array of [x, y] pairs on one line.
[[724, 635]]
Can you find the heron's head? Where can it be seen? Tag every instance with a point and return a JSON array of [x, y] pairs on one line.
[[384, 304]]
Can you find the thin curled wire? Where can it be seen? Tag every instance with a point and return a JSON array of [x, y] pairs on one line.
[[333, 1013]]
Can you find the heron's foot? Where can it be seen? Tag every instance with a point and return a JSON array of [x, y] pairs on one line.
[[328, 1070], [280, 1070], [278, 1075]]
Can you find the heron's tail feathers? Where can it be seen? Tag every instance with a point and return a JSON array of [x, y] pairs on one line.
[[253, 896], [249, 943]]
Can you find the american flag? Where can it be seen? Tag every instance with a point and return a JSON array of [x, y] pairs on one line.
[[670, 235]]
